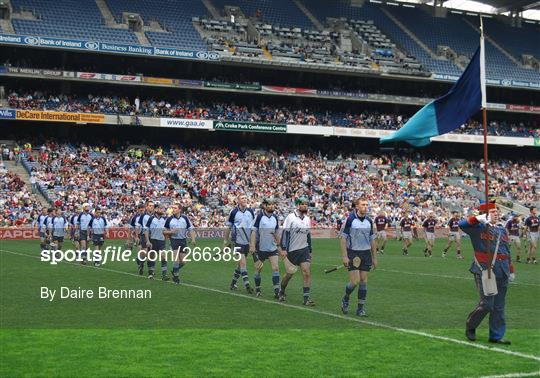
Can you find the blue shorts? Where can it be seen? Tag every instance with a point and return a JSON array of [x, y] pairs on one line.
[[299, 256], [365, 260], [263, 255], [58, 238], [243, 249], [157, 245], [178, 245], [98, 239], [83, 235]]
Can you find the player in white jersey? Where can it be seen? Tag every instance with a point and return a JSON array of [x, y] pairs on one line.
[[296, 244]]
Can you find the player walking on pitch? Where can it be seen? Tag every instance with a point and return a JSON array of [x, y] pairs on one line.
[[264, 245], [429, 229], [358, 254], [406, 226], [296, 244], [513, 227], [238, 233], [485, 231], [454, 235], [532, 223], [381, 222], [177, 227]]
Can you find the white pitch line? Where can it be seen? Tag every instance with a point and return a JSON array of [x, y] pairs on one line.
[[308, 309], [433, 275], [514, 375]]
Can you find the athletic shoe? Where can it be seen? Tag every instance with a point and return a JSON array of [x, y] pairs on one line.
[[282, 296], [276, 294], [258, 293], [308, 302], [534, 261], [165, 277], [141, 269], [176, 279], [444, 254], [83, 262], [233, 287], [500, 341], [470, 333], [344, 306], [249, 289], [518, 259], [97, 264], [150, 276], [360, 312], [459, 257]]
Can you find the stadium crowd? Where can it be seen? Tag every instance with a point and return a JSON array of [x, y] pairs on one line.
[[17, 205], [38, 100], [207, 181]]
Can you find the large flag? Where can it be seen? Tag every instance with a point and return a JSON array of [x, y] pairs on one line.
[[450, 111]]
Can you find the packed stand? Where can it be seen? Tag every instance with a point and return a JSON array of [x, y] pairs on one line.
[[38, 100]]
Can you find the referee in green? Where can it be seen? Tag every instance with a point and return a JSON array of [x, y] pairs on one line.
[[358, 253]]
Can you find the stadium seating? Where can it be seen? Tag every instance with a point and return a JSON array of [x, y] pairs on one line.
[[282, 13], [77, 19], [173, 16], [517, 41], [454, 32]]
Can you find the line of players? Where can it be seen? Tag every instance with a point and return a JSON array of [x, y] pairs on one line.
[[407, 230], [257, 235]]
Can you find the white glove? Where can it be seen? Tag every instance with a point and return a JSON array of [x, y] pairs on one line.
[[482, 218], [512, 277]]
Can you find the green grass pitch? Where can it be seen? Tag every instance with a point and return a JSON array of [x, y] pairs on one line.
[[416, 306]]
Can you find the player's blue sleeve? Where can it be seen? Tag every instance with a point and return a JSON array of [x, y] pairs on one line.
[[285, 239], [257, 220], [277, 222], [346, 231], [232, 215], [168, 223], [79, 218], [309, 242], [132, 223], [91, 223], [105, 221], [149, 222], [189, 225]]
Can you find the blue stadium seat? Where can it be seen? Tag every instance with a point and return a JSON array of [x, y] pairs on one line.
[[77, 19]]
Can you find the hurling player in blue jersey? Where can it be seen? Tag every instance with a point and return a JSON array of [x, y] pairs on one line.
[[237, 235], [264, 244], [358, 253]]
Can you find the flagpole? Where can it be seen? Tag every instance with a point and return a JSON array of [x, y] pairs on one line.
[[484, 125]]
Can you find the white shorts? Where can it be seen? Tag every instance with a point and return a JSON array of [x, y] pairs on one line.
[[381, 234], [454, 236], [407, 235], [515, 239], [533, 237], [430, 236]]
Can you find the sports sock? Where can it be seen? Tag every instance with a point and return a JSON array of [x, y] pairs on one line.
[[257, 278], [275, 280], [362, 293], [306, 294], [163, 267], [349, 288], [176, 268], [245, 277], [236, 276], [151, 267]]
